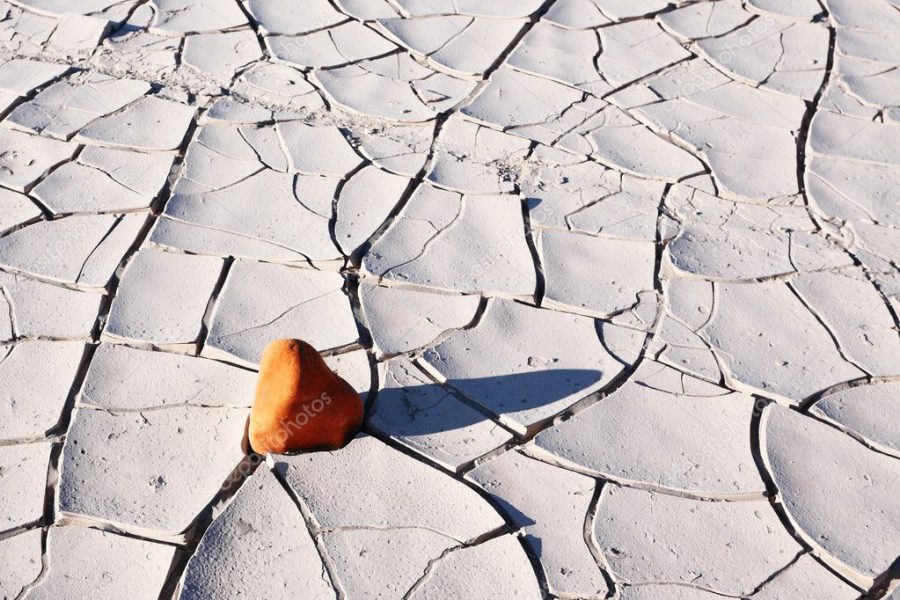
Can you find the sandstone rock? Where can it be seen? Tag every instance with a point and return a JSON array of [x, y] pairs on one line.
[[300, 403]]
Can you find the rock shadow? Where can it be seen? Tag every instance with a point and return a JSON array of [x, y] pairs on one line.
[[522, 402]]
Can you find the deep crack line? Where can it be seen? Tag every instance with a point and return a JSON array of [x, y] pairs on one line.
[[806, 124], [761, 405]]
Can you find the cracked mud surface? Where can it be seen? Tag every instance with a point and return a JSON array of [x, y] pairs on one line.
[[619, 282]]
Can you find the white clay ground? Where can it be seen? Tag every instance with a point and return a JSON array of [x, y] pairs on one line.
[[619, 280]]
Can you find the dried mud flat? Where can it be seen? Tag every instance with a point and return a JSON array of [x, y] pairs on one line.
[[618, 281]]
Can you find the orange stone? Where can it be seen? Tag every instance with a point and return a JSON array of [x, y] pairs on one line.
[[300, 403]]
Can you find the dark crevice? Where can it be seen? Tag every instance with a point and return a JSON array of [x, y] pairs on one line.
[[314, 534], [533, 20], [588, 533], [335, 206], [532, 238], [414, 183], [834, 338], [228, 490], [351, 289], [211, 305], [772, 494], [812, 108], [62, 426]]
